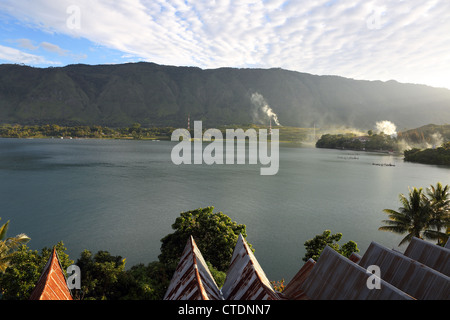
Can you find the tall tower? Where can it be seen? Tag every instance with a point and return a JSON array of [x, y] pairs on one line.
[[314, 132], [270, 126], [189, 122]]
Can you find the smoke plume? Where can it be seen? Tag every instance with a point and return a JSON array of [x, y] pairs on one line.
[[387, 128], [262, 112]]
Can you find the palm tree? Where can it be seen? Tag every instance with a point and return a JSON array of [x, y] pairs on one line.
[[9, 245], [439, 198], [412, 218]]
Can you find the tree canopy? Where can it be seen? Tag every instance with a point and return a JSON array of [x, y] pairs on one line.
[[316, 245], [422, 215], [215, 234]]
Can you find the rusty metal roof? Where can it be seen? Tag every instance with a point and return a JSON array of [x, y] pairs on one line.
[[192, 279], [52, 284], [433, 256], [335, 277], [419, 273], [292, 291], [246, 279], [408, 275]]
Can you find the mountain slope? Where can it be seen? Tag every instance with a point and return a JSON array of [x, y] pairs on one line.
[[156, 95]]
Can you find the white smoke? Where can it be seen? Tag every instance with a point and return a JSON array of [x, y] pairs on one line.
[[436, 140], [387, 128], [262, 110]]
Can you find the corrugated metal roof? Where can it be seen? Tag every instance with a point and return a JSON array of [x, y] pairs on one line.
[[246, 279], [332, 277], [292, 290], [335, 277], [434, 256], [410, 276], [192, 279], [52, 284]]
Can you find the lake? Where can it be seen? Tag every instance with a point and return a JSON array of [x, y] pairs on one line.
[[123, 196]]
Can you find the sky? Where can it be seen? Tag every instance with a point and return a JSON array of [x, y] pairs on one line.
[[403, 40]]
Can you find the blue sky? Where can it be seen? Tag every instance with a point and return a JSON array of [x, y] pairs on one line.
[[403, 40]]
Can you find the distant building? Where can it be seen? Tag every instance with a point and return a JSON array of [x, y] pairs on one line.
[[363, 139]]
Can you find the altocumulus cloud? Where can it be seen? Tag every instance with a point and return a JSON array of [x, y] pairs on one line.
[[362, 39]]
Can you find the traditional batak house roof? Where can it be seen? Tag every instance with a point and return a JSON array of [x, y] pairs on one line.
[[52, 284], [246, 279], [192, 279], [420, 273]]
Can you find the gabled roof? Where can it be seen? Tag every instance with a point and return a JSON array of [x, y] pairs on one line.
[[52, 284], [433, 256], [246, 279], [292, 291], [335, 277], [192, 279], [408, 275]]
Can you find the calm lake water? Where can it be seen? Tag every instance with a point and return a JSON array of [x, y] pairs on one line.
[[123, 197]]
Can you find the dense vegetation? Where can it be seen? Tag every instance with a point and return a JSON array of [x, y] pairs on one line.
[[439, 155], [104, 276], [350, 141], [155, 95], [135, 131]]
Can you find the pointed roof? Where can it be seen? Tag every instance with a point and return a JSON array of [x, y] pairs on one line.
[[292, 290], [52, 284], [192, 279], [246, 279], [410, 276], [429, 254], [335, 277]]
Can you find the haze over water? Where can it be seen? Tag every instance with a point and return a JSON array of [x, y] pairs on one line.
[[123, 197]]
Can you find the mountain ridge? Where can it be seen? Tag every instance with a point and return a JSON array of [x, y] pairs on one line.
[[158, 95]]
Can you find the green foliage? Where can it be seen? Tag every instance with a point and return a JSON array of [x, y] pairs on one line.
[[219, 276], [316, 245], [101, 274], [19, 280], [215, 234], [9, 245], [424, 216], [95, 131], [439, 156], [145, 282], [373, 142]]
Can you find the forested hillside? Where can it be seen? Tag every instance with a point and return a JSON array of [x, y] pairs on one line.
[[156, 95]]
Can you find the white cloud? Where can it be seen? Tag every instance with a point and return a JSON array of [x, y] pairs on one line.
[[53, 48], [26, 44], [12, 55], [363, 39]]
